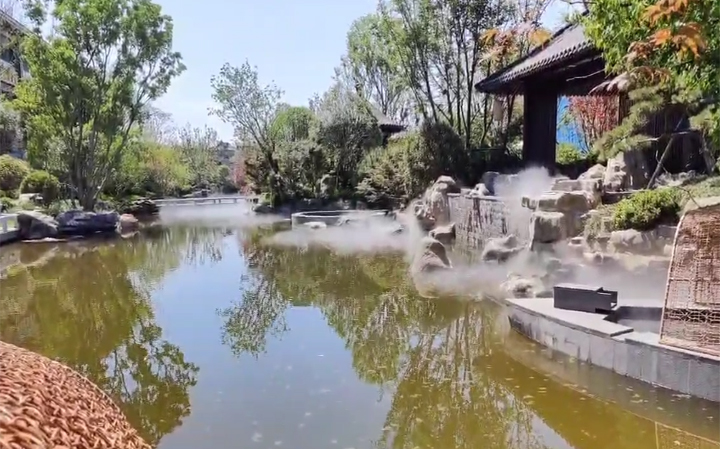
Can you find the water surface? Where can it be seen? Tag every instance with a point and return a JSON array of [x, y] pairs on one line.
[[208, 337]]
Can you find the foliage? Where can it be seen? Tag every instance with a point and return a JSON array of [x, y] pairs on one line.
[[6, 203], [646, 209], [12, 172], [568, 153], [91, 79], [251, 108], [593, 115], [198, 148], [671, 47], [408, 165], [293, 123], [440, 49], [42, 182], [386, 175], [646, 102], [372, 65]]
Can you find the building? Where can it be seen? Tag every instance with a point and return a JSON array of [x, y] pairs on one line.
[[569, 65], [12, 70]]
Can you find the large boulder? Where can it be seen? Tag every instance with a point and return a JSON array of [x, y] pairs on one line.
[[637, 242], [547, 227], [444, 234], [128, 223], [141, 207], [597, 171], [77, 222], [501, 249], [616, 177], [33, 225], [488, 180], [430, 257]]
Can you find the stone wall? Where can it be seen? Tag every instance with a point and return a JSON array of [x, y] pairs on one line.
[[477, 219]]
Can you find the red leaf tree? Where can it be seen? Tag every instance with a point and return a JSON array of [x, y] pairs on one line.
[[239, 174], [594, 116]]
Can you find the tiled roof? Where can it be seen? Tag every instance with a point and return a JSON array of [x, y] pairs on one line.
[[564, 44]]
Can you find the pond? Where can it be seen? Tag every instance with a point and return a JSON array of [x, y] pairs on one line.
[[209, 336]]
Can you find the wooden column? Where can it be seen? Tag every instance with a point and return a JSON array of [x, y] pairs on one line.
[[539, 128]]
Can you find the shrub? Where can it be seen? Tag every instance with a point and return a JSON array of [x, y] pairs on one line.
[[647, 209], [12, 172], [568, 153], [6, 204], [42, 182]]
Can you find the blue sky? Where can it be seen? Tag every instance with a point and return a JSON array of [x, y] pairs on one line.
[[295, 43]]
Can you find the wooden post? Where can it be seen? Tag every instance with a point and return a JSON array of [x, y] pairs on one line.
[[539, 128]]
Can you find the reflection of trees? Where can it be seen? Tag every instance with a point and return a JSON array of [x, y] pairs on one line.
[[89, 307], [423, 348]]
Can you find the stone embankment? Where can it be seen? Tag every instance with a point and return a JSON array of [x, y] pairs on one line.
[[542, 238]]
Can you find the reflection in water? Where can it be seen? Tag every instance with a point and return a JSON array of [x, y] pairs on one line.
[[294, 343], [89, 307]]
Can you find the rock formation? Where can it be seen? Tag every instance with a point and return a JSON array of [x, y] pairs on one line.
[[44, 404]]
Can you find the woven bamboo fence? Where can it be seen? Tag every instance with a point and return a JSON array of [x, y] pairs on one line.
[[691, 316]]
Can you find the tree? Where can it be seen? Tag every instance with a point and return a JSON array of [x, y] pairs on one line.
[[372, 66], [594, 116], [199, 150], [668, 52], [251, 108], [293, 123], [440, 48], [91, 80]]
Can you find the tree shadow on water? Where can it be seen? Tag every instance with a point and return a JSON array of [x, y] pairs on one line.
[[89, 307]]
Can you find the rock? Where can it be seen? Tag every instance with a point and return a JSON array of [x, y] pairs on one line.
[[597, 171], [634, 241], [616, 178], [446, 184], [519, 287], [479, 191], [488, 181], [263, 208], [127, 223], [500, 249], [77, 222], [33, 225], [34, 198], [575, 202], [346, 221], [430, 257], [315, 225], [142, 207], [425, 220], [438, 207], [444, 234], [547, 227], [327, 186]]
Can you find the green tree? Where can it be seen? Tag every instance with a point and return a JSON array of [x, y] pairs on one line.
[[91, 79], [669, 53], [199, 150], [293, 123], [251, 108], [373, 66]]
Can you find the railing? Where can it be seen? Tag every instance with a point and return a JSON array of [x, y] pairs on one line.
[[205, 201], [8, 228], [8, 222]]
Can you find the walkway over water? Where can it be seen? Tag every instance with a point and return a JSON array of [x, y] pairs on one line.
[[206, 201]]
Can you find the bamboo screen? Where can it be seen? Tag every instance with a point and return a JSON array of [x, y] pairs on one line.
[[691, 316]]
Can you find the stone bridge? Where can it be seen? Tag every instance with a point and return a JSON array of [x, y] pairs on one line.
[[206, 201]]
